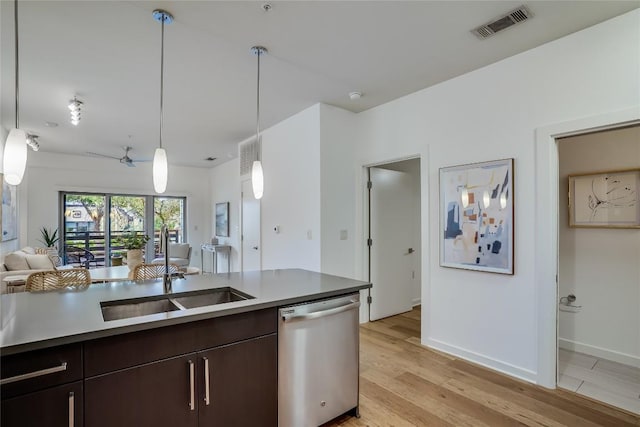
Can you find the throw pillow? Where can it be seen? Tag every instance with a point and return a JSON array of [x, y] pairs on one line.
[[16, 261], [52, 253], [39, 262], [28, 250]]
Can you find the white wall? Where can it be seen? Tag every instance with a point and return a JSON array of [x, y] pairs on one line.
[[291, 163], [225, 187], [600, 266], [338, 191], [49, 173], [488, 114]]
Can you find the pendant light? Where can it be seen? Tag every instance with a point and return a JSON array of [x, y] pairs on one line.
[[160, 163], [14, 159], [257, 177]]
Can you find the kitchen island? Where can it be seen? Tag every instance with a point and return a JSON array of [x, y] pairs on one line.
[[187, 367]]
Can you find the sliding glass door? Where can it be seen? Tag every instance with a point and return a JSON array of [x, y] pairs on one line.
[[91, 224]]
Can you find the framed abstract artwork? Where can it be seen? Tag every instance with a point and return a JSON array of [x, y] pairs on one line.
[[222, 219], [476, 216], [605, 199], [9, 211]]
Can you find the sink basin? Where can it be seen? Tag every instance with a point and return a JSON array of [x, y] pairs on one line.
[[124, 309], [210, 297]]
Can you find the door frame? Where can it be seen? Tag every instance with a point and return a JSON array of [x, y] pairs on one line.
[[546, 225], [366, 227]]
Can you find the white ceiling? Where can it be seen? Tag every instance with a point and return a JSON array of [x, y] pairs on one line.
[[108, 54]]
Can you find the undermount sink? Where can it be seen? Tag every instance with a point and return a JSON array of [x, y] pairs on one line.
[[124, 309]]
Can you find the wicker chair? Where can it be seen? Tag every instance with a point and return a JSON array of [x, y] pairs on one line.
[[152, 271], [58, 279]]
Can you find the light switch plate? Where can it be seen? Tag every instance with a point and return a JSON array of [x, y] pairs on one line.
[[343, 234]]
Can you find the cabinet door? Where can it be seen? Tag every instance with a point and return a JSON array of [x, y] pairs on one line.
[[243, 384], [59, 406], [156, 394]]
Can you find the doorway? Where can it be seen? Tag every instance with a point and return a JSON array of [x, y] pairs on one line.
[[250, 232], [598, 268], [394, 238]]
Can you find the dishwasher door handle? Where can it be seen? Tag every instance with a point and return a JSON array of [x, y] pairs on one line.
[[317, 314]]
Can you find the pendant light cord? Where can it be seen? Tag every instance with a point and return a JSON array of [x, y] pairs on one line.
[[258, 52], [15, 18], [161, 78]]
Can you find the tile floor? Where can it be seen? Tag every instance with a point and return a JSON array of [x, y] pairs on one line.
[[600, 379]]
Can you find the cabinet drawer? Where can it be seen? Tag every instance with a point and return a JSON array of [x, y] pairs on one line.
[[124, 351], [37, 370], [54, 407]]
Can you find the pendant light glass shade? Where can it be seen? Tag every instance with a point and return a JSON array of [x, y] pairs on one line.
[[257, 179], [464, 197], [14, 160], [160, 170], [486, 199]]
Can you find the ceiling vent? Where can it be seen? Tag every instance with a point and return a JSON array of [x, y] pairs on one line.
[[249, 152], [514, 17]]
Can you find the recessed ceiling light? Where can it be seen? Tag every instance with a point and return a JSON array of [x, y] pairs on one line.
[[51, 124], [267, 7], [355, 95]]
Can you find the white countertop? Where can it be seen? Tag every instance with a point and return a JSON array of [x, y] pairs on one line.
[[38, 320]]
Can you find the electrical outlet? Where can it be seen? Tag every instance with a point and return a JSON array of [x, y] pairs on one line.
[[309, 235], [343, 234]]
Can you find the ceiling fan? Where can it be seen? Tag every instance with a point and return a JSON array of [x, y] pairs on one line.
[[124, 159]]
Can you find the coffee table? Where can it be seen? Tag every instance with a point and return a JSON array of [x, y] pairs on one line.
[[15, 283]]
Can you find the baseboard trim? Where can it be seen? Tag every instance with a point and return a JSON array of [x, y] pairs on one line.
[[487, 362], [416, 301], [592, 350]]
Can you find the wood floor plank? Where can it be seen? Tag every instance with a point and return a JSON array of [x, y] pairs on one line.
[[405, 384], [412, 413]]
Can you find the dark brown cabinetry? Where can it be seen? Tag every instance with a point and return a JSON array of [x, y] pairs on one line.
[[162, 377], [43, 388], [213, 372], [248, 369]]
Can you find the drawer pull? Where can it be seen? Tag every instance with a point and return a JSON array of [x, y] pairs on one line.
[[71, 409], [34, 374], [192, 390], [206, 381]]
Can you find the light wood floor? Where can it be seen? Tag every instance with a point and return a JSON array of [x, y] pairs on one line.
[[405, 384]]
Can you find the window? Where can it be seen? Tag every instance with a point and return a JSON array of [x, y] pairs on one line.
[[92, 223]]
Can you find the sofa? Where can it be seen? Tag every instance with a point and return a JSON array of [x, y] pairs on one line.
[[179, 254], [26, 261]]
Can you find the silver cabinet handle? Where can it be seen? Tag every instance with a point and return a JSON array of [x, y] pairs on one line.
[[192, 402], [206, 381], [34, 374], [71, 409], [323, 313]]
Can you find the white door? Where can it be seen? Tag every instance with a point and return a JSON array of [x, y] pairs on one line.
[[392, 221], [250, 233]]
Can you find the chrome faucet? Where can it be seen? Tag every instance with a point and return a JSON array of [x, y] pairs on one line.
[[166, 277]]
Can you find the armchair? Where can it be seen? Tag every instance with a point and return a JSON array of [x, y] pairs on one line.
[[179, 254]]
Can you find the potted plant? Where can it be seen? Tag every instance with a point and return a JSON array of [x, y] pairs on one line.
[[49, 240], [49, 237], [133, 242]]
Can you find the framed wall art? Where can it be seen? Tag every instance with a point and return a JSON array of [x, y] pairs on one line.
[[605, 199], [222, 219], [476, 216]]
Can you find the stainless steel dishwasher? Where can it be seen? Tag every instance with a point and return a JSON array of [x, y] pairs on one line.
[[318, 366]]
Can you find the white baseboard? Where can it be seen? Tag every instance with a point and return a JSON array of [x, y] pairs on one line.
[[488, 362], [592, 350], [416, 301]]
